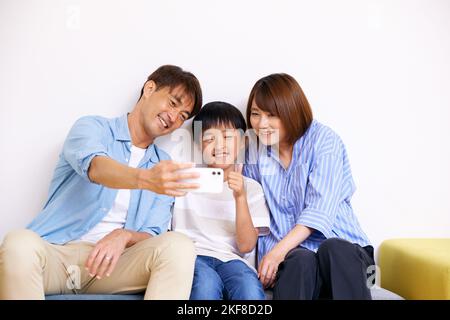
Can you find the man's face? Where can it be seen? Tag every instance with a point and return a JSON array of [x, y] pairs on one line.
[[164, 110]]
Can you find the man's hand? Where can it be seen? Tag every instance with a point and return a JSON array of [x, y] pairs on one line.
[[236, 182], [106, 253], [163, 178], [268, 267]]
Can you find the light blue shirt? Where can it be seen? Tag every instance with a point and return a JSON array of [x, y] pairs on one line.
[[314, 191], [75, 204]]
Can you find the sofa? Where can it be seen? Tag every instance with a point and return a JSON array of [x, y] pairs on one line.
[[377, 292], [416, 268]]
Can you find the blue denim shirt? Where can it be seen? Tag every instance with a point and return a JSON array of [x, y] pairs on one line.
[[75, 204]]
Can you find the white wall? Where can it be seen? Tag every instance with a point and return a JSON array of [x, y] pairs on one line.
[[378, 72]]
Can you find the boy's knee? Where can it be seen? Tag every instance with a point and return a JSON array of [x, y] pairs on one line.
[[248, 289], [207, 287]]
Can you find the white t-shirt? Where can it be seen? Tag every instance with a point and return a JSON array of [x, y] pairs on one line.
[[116, 217], [210, 221]]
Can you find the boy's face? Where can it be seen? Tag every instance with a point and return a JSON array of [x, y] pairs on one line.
[[220, 146]]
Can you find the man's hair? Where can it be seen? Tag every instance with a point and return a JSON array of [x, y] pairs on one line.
[[169, 76], [216, 114], [281, 95]]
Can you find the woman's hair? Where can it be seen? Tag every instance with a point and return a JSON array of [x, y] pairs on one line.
[[217, 113], [169, 76], [281, 95]]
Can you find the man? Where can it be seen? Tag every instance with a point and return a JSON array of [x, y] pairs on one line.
[[102, 229]]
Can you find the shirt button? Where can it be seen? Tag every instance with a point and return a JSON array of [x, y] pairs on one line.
[[126, 159], [104, 209]]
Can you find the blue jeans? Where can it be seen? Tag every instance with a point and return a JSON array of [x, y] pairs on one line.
[[232, 280]]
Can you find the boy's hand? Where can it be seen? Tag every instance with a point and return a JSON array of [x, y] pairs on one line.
[[236, 182]]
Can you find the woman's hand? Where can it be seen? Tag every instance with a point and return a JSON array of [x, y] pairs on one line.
[[269, 264], [268, 267]]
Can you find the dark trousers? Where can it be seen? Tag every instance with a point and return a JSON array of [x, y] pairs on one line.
[[337, 271]]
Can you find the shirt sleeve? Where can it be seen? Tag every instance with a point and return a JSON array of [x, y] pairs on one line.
[[251, 171], [259, 211], [84, 141], [159, 216], [323, 193]]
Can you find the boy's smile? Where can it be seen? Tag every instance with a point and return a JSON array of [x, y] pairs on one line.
[[220, 146]]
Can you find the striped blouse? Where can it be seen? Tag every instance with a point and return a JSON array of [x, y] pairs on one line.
[[314, 191]]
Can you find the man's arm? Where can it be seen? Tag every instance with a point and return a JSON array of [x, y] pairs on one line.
[[103, 258], [162, 178], [108, 250], [85, 150], [135, 236]]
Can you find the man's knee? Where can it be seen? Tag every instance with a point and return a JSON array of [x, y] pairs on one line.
[[22, 240], [19, 248], [178, 246]]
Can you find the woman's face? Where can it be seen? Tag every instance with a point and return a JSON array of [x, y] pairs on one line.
[[268, 127]]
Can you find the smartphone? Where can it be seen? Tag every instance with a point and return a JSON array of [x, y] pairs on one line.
[[210, 180]]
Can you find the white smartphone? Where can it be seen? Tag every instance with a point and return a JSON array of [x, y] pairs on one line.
[[210, 180]]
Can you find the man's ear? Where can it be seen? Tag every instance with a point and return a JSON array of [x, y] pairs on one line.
[[149, 88]]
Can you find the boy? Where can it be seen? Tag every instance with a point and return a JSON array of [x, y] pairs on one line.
[[224, 227]]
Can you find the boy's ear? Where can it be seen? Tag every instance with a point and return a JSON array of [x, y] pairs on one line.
[[243, 139], [241, 149], [242, 142]]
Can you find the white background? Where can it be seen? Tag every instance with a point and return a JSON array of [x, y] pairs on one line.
[[377, 72]]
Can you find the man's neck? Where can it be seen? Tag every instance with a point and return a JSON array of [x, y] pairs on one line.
[[139, 137]]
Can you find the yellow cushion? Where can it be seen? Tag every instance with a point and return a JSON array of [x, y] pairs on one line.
[[416, 268]]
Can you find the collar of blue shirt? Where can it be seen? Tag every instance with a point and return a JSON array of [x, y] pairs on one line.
[[121, 132]]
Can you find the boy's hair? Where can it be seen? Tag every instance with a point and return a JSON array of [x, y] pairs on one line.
[[215, 114]]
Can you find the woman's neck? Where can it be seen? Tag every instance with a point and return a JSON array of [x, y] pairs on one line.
[[285, 151]]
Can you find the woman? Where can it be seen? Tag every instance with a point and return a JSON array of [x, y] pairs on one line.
[[316, 247]]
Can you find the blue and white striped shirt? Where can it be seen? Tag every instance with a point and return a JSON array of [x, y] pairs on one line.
[[314, 191]]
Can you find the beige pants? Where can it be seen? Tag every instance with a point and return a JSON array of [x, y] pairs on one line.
[[31, 267]]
